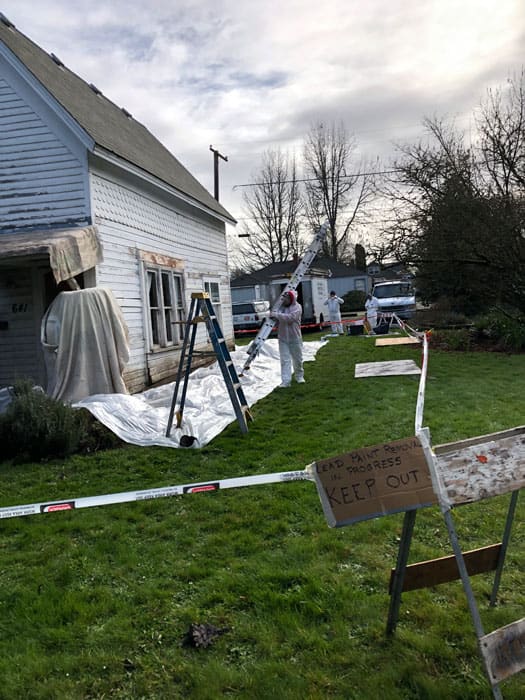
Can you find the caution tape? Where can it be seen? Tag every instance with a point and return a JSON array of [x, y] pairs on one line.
[[151, 494], [321, 324]]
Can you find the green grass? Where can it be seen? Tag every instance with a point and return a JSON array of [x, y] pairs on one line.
[[96, 603]]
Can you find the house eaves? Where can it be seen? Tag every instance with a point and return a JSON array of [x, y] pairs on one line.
[[112, 129]]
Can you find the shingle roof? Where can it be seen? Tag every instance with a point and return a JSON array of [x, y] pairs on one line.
[[280, 269], [108, 125]]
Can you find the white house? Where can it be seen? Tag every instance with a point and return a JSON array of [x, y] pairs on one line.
[[88, 197]]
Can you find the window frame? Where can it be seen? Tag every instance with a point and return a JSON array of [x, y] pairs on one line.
[[216, 301], [166, 316]]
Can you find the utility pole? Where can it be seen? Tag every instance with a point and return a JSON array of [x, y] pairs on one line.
[[216, 156]]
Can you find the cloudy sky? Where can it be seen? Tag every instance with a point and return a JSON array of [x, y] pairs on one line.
[[245, 76]]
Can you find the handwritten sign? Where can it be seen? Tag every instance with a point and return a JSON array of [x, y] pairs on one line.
[[374, 481], [504, 651]]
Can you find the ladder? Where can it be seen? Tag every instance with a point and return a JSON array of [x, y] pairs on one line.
[[201, 310], [293, 283]]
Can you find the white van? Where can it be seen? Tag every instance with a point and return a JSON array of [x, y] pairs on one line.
[[247, 315], [396, 297]]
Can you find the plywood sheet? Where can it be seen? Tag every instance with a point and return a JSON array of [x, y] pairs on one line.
[[489, 465], [504, 651], [381, 342], [385, 369]]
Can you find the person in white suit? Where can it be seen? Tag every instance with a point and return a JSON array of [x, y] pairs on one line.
[[334, 312], [371, 306], [290, 339]]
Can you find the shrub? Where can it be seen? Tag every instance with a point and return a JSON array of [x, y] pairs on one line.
[[451, 339], [354, 300], [503, 328], [36, 427], [442, 315]]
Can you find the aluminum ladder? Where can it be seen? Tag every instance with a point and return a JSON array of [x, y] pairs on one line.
[[295, 280]]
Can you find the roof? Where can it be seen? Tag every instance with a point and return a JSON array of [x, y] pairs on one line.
[[111, 128], [338, 269], [280, 269]]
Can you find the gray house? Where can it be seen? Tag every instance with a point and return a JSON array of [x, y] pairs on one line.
[[335, 276], [268, 282], [89, 198], [343, 278]]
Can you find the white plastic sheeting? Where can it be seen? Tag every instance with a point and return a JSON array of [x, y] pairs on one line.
[[85, 341], [142, 419]]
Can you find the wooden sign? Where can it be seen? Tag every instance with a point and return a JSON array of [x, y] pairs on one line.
[[374, 481], [504, 651], [481, 467]]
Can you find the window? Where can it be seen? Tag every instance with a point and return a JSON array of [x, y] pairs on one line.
[[212, 288], [165, 307]]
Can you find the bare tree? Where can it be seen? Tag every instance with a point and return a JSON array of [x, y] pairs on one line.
[[337, 189], [501, 124], [457, 220], [273, 207]]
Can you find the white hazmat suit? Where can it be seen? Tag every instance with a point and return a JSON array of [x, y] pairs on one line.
[[290, 339], [334, 312], [372, 307]]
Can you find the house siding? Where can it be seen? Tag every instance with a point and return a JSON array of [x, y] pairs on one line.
[[20, 313], [42, 180], [130, 222]]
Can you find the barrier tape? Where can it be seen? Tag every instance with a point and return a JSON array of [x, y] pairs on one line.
[[151, 494], [321, 324]]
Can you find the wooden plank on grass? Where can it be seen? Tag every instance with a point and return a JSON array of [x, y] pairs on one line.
[[380, 342], [504, 651], [444, 569], [386, 369]]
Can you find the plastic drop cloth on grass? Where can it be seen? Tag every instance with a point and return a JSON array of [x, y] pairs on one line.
[[142, 419]]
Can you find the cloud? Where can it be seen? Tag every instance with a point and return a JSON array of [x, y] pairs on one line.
[[250, 76]]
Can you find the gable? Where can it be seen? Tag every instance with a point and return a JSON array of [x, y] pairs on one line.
[[42, 181], [43, 168], [113, 130]]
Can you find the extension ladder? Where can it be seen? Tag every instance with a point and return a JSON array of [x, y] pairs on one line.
[[293, 283], [201, 310]]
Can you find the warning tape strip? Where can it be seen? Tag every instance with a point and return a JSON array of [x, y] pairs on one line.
[[151, 494], [322, 324]]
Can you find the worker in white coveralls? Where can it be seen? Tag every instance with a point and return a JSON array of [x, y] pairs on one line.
[[371, 306], [334, 312], [290, 339]]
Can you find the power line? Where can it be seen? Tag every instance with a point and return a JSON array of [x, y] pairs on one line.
[[315, 179]]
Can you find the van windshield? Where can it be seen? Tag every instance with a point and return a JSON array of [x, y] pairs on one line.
[[398, 289]]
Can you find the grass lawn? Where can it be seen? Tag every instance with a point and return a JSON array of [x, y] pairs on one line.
[[96, 603]]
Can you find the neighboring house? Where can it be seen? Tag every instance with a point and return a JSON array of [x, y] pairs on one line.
[[267, 283], [341, 279], [90, 198], [344, 278]]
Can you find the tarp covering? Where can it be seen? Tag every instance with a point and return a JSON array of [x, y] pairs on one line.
[[142, 419], [85, 342], [70, 252]]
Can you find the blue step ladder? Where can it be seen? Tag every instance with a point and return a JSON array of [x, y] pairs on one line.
[[202, 311]]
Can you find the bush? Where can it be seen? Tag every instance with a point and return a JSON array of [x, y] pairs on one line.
[[354, 301], [505, 329], [36, 427], [451, 339], [441, 315]]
